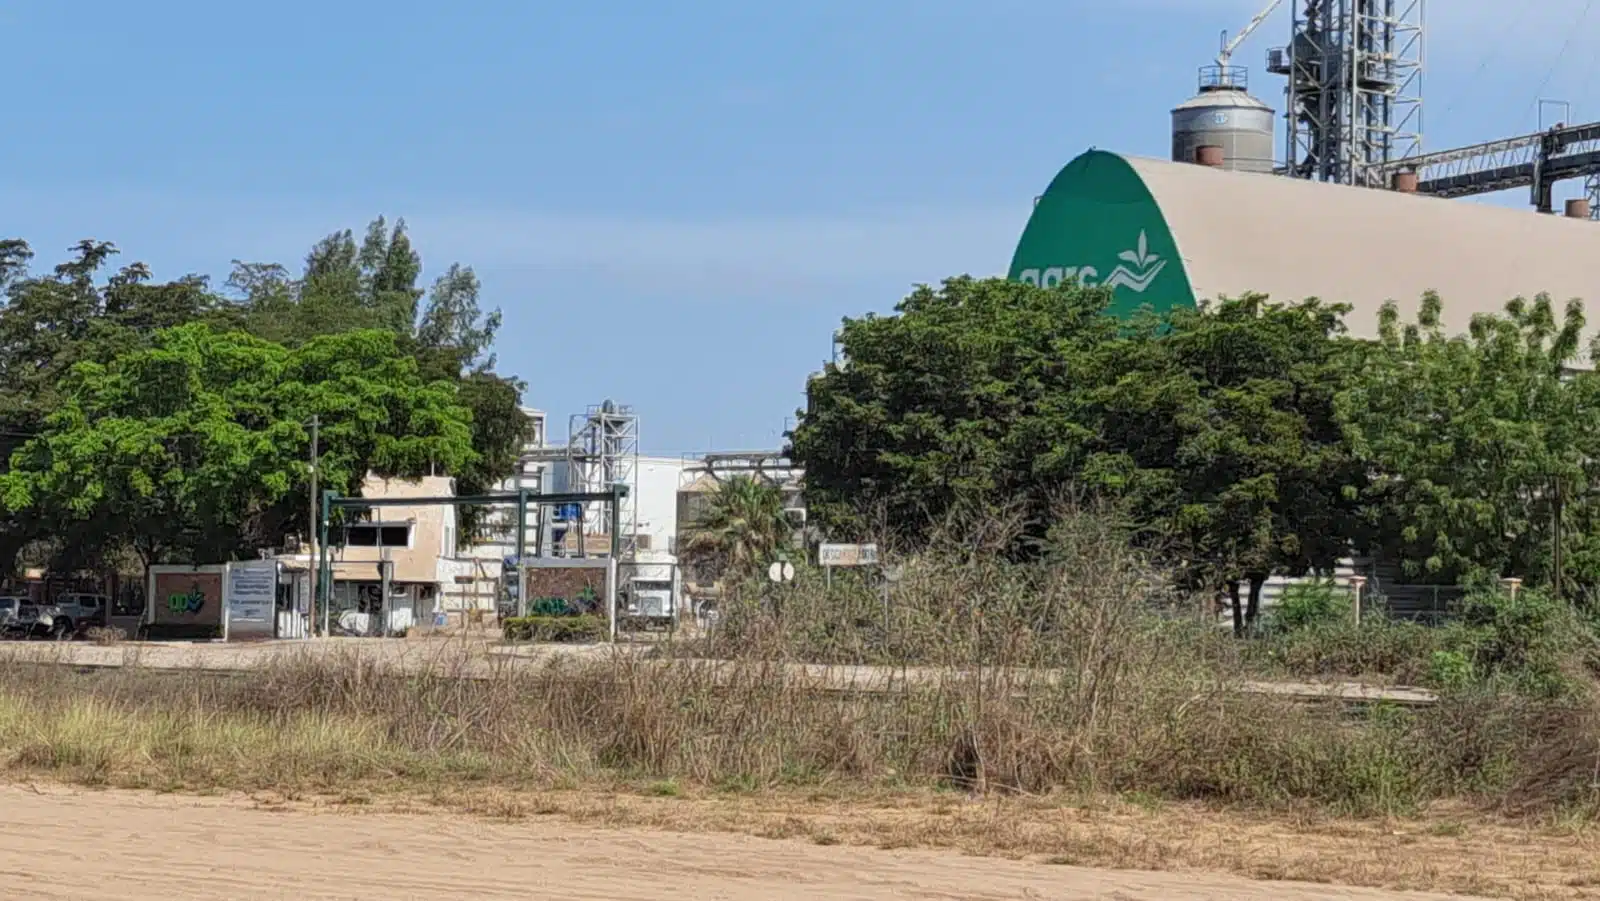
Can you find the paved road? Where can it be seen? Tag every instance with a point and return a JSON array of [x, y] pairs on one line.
[[112, 846]]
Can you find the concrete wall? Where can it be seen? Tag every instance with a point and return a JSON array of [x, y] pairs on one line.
[[432, 534], [656, 505]]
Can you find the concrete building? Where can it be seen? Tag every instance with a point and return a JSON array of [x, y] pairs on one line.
[[1171, 234], [654, 488], [657, 508], [418, 543], [480, 565]]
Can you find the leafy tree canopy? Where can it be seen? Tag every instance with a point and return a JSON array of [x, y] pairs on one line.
[[354, 336], [744, 529], [1217, 429], [1482, 442], [196, 447]]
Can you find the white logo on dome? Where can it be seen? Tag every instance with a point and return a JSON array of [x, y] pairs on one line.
[[1145, 266]]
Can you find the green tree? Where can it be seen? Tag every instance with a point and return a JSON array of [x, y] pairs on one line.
[[52, 322], [969, 393], [742, 530], [1480, 443], [344, 286], [195, 448], [1219, 427], [347, 286], [1216, 430], [454, 340], [454, 327], [349, 293]]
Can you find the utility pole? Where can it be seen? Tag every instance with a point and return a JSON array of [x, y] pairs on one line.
[[1556, 529], [311, 531], [384, 575]]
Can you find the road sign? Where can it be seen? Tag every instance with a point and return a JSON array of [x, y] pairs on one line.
[[781, 572], [847, 555]]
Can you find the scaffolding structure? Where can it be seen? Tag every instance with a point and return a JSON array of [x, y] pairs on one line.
[[1355, 72], [602, 453]]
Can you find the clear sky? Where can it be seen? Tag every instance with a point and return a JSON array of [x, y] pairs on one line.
[[673, 203]]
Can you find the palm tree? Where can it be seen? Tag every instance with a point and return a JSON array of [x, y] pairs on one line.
[[742, 530]]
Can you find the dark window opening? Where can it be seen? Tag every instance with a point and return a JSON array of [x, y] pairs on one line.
[[377, 536]]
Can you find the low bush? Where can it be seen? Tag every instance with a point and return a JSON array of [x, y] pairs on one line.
[[1527, 641], [1377, 648], [566, 629], [1315, 604]]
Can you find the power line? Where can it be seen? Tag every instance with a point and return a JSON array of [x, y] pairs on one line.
[[1483, 66], [1572, 34]]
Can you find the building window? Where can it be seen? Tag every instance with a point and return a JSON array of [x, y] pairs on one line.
[[378, 535]]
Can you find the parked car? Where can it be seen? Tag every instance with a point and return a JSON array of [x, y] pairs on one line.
[[83, 610], [8, 615], [43, 621]]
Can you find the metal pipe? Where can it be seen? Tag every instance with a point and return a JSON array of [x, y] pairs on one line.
[[522, 524]]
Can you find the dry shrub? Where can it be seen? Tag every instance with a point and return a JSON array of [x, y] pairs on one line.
[[1066, 670], [1556, 764], [104, 636]]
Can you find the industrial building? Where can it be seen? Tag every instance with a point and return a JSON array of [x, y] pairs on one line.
[[1168, 234], [601, 452], [1335, 198]]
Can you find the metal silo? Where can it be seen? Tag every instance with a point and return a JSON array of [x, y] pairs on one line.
[[1223, 114]]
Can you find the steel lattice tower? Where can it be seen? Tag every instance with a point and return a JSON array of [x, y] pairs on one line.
[[602, 452], [1355, 88]]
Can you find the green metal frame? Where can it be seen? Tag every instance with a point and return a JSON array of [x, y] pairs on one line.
[[331, 500]]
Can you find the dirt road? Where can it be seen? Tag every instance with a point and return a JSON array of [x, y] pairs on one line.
[[58, 843]]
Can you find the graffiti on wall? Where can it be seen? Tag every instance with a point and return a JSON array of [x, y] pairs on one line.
[[558, 591], [190, 599], [186, 602]]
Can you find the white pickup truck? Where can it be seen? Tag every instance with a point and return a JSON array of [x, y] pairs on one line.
[[64, 619]]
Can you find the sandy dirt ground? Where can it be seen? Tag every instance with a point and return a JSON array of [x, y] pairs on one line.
[[59, 843]]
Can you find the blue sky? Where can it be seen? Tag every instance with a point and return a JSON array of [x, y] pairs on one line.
[[674, 204]]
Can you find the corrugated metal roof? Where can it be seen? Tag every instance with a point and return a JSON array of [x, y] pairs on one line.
[[1222, 99], [1293, 239]]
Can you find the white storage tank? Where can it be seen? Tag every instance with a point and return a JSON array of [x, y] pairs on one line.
[[1224, 115]]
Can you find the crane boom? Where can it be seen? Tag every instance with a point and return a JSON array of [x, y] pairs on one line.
[[1229, 46]]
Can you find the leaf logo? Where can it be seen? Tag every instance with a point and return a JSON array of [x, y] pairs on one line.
[[1146, 266], [1141, 255], [1137, 271]]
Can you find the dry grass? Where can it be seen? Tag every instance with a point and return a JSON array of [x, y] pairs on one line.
[[978, 758]]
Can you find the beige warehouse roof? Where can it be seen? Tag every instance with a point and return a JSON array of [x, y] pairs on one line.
[[1292, 239]]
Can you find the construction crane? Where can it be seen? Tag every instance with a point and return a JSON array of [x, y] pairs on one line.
[[1228, 46]]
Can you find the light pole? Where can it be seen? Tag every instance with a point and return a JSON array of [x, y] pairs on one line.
[[311, 532]]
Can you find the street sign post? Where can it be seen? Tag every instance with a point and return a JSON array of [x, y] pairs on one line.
[[831, 555], [847, 555]]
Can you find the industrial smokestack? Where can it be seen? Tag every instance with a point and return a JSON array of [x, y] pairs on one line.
[[1404, 182], [1209, 155], [1578, 208]]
